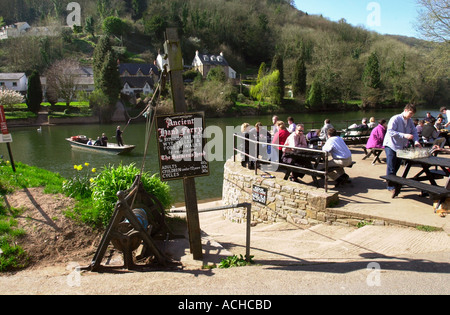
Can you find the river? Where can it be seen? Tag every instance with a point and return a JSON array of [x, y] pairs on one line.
[[47, 149]]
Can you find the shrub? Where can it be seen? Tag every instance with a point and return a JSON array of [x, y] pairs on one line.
[[113, 179]]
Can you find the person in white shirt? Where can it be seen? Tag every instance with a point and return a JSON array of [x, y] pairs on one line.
[[443, 110], [342, 157]]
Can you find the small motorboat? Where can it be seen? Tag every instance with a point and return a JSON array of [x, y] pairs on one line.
[[80, 142]]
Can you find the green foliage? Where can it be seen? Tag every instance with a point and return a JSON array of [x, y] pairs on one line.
[[235, 261], [79, 186], [113, 25], [371, 75], [28, 176], [314, 99], [34, 92], [249, 33], [107, 79], [268, 88], [114, 179], [278, 65], [299, 78], [217, 75]]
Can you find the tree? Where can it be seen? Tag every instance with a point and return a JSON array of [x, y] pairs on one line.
[[217, 75], [9, 98], [62, 80], [107, 80], [277, 64], [314, 99], [102, 48], [89, 25], [434, 19], [113, 25], [371, 75], [34, 92], [268, 87], [261, 72], [299, 78]]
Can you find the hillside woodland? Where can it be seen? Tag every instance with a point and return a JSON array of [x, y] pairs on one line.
[[339, 63]]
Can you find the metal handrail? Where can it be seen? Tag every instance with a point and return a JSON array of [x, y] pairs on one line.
[[249, 217], [257, 160]]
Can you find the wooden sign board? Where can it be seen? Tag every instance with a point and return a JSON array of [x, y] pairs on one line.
[[5, 136], [181, 146]]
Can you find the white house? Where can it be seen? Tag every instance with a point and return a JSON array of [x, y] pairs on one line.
[[203, 63], [14, 81], [138, 78], [14, 30]]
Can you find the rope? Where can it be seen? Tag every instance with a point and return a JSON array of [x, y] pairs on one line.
[[151, 114]]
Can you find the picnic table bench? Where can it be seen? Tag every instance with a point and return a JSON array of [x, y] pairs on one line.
[[307, 162], [376, 152], [435, 192]]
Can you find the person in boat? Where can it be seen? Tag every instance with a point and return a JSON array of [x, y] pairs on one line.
[[104, 140], [98, 142], [90, 142], [119, 136]]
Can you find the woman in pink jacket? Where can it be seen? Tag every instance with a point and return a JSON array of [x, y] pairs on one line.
[[377, 136]]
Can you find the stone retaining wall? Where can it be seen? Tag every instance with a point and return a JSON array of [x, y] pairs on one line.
[[286, 201]]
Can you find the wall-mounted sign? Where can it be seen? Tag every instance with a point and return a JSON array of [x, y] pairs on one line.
[[181, 146], [259, 194], [5, 136]]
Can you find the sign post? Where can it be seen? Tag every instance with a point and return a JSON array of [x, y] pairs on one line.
[[175, 59], [5, 136]]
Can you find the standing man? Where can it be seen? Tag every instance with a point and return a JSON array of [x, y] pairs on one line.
[[444, 112], [400, 132], [119, 136]]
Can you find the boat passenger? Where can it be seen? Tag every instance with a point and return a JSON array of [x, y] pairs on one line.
[[90, 142], [104, 140], [98, 142]]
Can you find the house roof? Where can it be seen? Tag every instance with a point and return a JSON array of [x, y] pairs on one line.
[[137, 82], [11, 76], [215, 60], [133, 68]]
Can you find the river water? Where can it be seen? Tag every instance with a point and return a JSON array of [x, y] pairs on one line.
[[47, 149]]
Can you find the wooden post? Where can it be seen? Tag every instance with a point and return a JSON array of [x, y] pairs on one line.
[[175, 60]]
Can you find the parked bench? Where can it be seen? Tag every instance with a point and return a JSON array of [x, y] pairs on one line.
[[376, 152], [435, 192]]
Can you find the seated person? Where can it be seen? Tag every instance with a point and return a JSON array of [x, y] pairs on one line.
[[430, 133], [439, 124], [104, 140], [372, 123], [90, 142], [261, 134], [342, 157], [313, 138], [323, 132], [377, 136], [295, 140], [358, 130], [98, 142], [419, 127]]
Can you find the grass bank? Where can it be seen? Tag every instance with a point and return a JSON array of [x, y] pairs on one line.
[[95, 193], [12, 256]]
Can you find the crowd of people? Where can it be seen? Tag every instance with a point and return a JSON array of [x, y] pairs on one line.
[[282, 140], [400, 132]]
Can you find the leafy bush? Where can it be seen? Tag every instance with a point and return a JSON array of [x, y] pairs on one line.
[[268, 88], [79, 186], [113, 179]]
